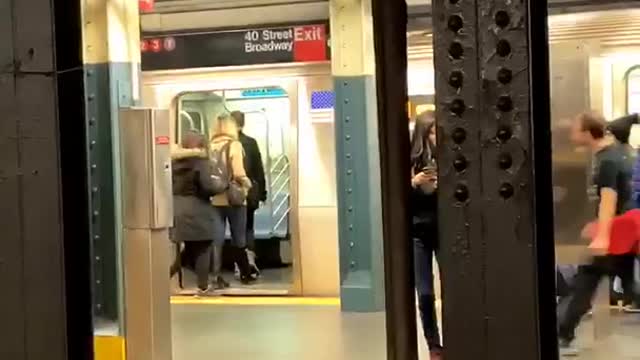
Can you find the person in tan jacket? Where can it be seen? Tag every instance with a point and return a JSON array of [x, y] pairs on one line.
[[225, 134]]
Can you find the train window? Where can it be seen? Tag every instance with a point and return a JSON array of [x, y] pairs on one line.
[[633, 90], [197, 111], [190, 120]]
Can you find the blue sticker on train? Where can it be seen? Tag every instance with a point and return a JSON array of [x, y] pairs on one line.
[[264, 92], [323, 100]]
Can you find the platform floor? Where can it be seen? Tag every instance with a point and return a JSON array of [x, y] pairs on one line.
[[275, 333], [250, 332], [623, 343]]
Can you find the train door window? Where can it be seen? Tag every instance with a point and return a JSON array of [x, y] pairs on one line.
[[190, 121], [267, 119], [197, 111]]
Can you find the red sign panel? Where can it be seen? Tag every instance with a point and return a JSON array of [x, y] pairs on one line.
[[146, 5], [310, 43], [163, 140]]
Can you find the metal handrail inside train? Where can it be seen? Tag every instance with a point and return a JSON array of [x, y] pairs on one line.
[[189, 118]]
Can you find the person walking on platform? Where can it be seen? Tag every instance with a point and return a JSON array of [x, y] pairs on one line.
[[193, 225], [231, 205], [424, 231], [258, 192], [611, 190]]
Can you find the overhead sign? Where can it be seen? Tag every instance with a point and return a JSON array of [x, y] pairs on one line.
[[303, 43]]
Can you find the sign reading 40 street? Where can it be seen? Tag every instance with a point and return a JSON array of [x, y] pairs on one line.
[[303, 43]]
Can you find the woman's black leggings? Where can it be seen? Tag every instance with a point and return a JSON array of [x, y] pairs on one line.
[[198, 254]]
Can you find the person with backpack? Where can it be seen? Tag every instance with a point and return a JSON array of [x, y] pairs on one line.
[[424, 231], [192, 189], [227, 159], [258, 192]]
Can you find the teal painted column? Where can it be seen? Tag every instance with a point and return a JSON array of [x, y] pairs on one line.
[[111, 55], [358, 162]]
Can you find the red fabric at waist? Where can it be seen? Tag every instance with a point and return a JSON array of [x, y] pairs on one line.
[[625, 233]]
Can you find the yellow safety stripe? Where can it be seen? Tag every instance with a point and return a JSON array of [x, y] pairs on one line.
[[254, 300], [109, 348]]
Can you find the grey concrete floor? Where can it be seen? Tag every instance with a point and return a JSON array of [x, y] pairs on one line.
[[243, 332], [276, 332], [323, 332], [623, 341]]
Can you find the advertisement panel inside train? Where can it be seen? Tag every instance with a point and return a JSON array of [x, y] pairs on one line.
[[288, 44]]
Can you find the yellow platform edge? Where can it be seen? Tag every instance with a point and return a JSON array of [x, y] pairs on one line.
[[255, 301], [109, 348]]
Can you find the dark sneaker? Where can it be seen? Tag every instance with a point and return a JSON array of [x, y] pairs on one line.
[[567, 349], [221, 283], [247, 280]]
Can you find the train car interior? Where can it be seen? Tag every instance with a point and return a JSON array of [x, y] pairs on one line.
[[267, 117], [289, 112]]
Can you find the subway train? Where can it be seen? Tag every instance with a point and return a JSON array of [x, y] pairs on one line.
[[280, 76]]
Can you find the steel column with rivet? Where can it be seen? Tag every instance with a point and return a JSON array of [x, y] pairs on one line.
[[360, 230], [111, 54], [495, 211], [44, 247]]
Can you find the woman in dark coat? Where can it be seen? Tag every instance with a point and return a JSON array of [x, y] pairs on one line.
[[193, 219], [424, 207]]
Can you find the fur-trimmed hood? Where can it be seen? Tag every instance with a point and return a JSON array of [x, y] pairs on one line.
[[178, 153]]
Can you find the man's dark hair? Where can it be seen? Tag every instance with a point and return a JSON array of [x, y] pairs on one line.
[[238, 116], [595, 124]]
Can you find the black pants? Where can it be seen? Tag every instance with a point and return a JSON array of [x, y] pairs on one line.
[[423, 265], [425, 247], [586, 285], [198, 254], [251, 231]]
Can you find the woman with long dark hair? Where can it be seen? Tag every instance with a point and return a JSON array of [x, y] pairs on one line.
[[424, 212]]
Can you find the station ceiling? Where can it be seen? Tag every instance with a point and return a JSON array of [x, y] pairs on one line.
[[186, 15], [415, 6]]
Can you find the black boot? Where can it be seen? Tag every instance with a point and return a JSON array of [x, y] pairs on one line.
[[219, 281], [243, 264], [176, 267]]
